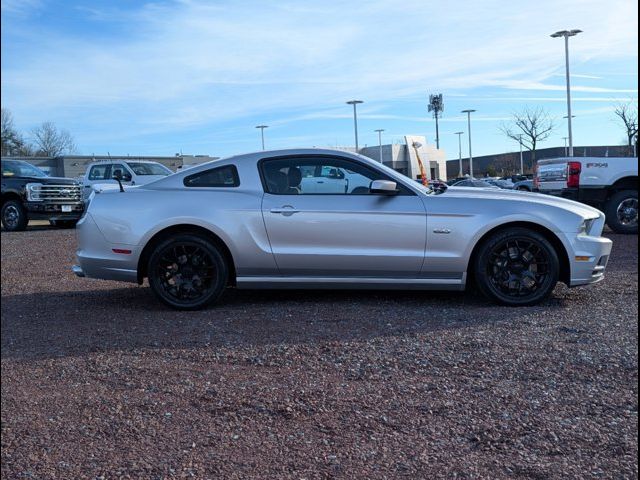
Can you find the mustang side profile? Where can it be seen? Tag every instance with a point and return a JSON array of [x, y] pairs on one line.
[[266, 220]]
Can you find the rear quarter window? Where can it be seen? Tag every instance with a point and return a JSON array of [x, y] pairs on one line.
[[226, 176]]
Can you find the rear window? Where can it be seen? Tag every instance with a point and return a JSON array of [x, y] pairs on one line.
[[226, 176], [149, 168]]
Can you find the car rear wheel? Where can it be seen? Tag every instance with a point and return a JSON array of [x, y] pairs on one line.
[[14, 216], [516, 267], [622, 212], [187, 272]]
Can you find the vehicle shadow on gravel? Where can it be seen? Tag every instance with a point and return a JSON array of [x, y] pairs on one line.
[[79, 322]]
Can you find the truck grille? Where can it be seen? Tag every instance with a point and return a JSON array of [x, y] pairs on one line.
[[57, 193]]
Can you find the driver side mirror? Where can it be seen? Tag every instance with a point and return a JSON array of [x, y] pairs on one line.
[[384, 187], [117, 175]]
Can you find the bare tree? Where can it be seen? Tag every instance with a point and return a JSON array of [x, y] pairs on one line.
[[51, 141], [628, 114], [12, 141], [532, 125]]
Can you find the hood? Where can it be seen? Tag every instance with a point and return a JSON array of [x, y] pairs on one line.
[[50, 180], [529, 197]]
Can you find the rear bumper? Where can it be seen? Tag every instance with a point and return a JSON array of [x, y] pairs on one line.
[[96, 256], [595, 197]]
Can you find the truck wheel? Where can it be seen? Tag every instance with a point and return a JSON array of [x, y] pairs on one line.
[[516, 267], [622, 212], [187, 272], [14, 216]]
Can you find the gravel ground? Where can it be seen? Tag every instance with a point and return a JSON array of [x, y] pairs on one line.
[[101, 381]]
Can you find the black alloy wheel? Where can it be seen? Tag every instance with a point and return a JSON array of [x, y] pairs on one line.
[[187, 272], [14, 216], [517, 267], [622, 212]]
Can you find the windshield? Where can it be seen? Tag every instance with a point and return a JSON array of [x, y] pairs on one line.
[[16, 168], [149, 169]]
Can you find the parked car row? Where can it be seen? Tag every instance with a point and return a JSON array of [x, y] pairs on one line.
[[29, 194]]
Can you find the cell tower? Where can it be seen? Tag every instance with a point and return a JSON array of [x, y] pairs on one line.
[[436, 105]]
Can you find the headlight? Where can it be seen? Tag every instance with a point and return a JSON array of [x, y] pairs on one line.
[[587, 225], [33, 192]]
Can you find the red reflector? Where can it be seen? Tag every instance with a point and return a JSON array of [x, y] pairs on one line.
[[573, 174], [121, 250]]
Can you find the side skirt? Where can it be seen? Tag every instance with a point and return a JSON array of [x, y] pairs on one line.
[[358, 283]]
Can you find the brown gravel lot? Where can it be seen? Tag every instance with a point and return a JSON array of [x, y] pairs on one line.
[[99, 380]]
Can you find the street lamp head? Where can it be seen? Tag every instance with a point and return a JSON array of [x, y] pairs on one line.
[[467, 111], [458, 133], [379, 130], [262, 126], [566, 33], [354, 102]]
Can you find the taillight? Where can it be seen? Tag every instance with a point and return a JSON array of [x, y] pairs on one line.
[[573, 174]]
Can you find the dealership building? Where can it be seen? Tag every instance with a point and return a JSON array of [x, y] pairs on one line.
[[402, 157]]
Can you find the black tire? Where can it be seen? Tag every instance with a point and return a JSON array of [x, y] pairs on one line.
[[516, 257], [187, 272], [63, 223], [622, 211], [524, 189], [14, 216]]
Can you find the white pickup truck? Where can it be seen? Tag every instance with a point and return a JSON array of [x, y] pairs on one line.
[[132, 172], [607, 183]]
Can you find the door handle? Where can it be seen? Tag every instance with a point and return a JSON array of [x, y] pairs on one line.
[[287, 210]]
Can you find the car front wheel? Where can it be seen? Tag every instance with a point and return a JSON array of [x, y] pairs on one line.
[[187, 272], [14, 216], [516, 267]]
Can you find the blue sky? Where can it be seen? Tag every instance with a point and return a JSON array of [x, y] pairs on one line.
[[158, 78]]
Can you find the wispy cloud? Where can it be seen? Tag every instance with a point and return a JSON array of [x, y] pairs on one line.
[[192, 64]]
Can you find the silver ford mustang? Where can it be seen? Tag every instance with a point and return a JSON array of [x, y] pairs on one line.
[[312, 218]]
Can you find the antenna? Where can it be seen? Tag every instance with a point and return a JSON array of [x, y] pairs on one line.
[[436, 105]]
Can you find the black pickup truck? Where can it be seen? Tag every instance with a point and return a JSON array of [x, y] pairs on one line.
[[29, 194]]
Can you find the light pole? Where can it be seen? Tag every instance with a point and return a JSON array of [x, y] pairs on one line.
[[469, 112], [380, 130], [355, 119], [565, 146], [521, 161], [566, 34], [262, 127], [459, 153]]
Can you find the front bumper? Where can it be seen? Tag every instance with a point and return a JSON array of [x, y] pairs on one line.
[[53, 211], [590, 257]]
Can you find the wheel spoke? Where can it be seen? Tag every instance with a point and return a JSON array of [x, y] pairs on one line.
[[518, 267], [186, 272]]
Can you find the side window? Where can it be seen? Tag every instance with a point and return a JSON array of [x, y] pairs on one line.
[[99, 172], [226, 176], [319, 175]]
